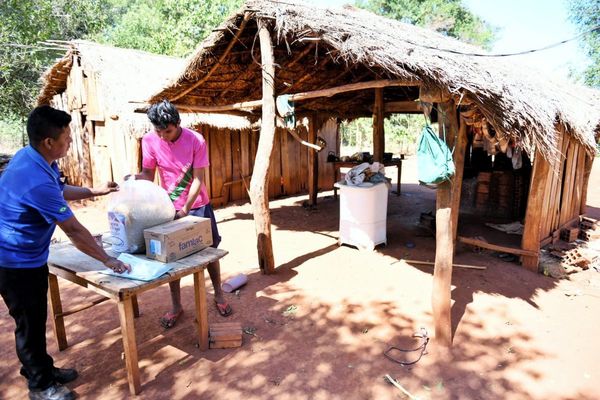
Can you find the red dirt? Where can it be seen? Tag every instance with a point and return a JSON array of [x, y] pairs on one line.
[[517, 335]]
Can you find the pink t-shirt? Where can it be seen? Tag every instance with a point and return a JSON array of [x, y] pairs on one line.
[[175, 161]]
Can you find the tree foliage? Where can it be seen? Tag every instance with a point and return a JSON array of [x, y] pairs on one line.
[[169, 27], [27, 23], [449, 17], [586, 15]]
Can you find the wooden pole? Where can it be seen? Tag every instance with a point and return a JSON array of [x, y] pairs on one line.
[[586, 178], [259, 189], [313, 163], [534, 214], [378, 133], [250, 105], [459, 165], [444, 249]]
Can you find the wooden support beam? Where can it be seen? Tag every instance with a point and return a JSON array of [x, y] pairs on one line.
[[533, 216], [313, 163], [495, 247], [352, 87], [442, 274], [378, 130], [219, 61], [444, 248], [459, 164], [589, 159], [403, 107], [259, 189]]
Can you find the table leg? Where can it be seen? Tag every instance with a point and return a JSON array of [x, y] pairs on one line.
[[201, 310], [129, 344], [58, 321], [136, 308]]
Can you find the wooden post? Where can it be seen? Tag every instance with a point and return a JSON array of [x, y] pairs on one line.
[[378, 133], [444, 248], [259, 189], [586, 178], [534, 214], [313, 163], [459, 164]]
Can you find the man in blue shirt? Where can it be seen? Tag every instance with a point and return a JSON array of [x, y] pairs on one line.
[[32, 202]]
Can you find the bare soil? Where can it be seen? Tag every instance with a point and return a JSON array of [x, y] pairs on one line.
[[517, 335]]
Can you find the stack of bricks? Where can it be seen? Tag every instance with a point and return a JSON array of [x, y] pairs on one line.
[[502, 193], [589, 229], [225, 335], [483, 191], [569, 234]]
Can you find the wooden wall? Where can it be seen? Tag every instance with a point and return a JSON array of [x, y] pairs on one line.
[[232, 154], [564, 196]]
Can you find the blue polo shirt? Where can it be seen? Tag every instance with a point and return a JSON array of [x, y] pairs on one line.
[[31, 203]]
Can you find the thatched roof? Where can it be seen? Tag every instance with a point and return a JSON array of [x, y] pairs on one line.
[[124, 76], [318, 48]]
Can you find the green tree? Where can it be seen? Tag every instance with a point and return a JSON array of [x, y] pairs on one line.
[[27, 23], [169, 27], [586, 15], [449, 17]]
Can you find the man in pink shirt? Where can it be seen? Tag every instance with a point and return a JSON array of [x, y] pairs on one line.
[[180, 155]]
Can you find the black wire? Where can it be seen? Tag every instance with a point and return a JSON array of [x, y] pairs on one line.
[[505, 54]]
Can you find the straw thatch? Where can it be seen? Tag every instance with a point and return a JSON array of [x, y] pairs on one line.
[[318, 48], [125, 76]]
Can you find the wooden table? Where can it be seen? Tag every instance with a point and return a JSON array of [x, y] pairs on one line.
[[351, 164], [71, 264]]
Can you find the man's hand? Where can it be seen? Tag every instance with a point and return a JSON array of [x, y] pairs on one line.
[[117, 265], [180, 214], [106, 188]]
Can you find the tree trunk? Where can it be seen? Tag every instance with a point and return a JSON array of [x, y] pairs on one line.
[[259, 189]]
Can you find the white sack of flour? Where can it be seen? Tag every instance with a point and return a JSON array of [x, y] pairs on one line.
[[139, 204]]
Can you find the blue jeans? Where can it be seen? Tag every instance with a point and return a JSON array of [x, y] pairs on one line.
[[207, 212]]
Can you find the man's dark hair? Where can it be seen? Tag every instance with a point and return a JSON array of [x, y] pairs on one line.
[[46, 122], [162, 114]]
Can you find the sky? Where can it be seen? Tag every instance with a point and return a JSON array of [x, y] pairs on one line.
[[524, 25]]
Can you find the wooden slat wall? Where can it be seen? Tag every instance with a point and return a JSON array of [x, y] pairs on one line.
[[232, 156], [329, 132], [564, 196]]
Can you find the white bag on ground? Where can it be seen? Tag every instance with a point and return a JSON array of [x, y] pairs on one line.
[[139, 204]]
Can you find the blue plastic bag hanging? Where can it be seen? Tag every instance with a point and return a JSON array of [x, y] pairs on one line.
[[434, 159]]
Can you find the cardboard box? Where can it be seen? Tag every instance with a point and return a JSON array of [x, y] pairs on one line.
[[176, 239], [225, 335]]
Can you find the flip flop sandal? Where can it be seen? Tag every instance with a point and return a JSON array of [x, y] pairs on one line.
[[169, 320], [224, 309]]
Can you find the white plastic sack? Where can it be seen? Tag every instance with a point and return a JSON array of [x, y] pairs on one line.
[[139, 204]]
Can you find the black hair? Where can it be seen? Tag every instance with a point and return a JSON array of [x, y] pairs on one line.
[[46, 122], [163, 114]]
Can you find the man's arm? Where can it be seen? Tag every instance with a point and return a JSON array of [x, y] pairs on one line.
[[146, 174], [193, 194], [80, 193], [83, 240]]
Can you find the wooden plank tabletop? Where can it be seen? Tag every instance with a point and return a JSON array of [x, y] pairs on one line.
[[65, 260]]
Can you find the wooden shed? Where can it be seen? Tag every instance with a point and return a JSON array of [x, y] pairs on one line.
[[98, 85], [349, 63]]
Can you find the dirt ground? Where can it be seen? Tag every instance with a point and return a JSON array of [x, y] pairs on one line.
[[517, 335]]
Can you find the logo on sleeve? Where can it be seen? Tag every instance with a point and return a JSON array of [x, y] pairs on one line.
[[62, 209]]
